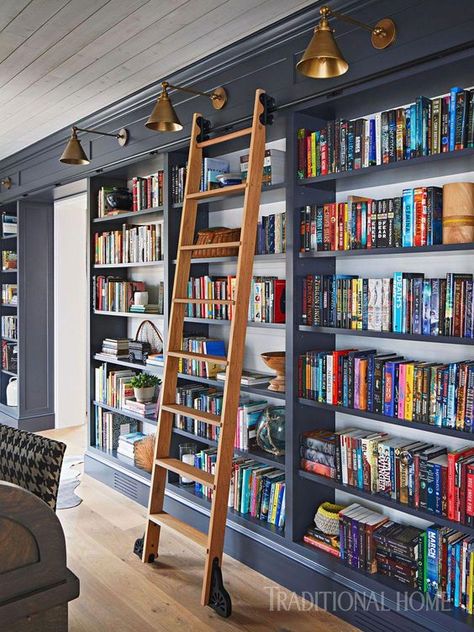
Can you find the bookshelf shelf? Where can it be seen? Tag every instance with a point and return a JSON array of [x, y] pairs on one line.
[[114, 458], [125, 412], [257, 259], [389, 252], [386, 502], [259, 455], [8, 372], [451, 340], [400, 423], [421, 160], [98, 312], [100, 357], [127, 216], [9, 339], [9, 271], [217, 321], [238, 193], [9, 237], [147, 264], [261, 390]]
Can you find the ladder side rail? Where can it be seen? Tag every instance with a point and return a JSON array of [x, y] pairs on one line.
[[236, 349]]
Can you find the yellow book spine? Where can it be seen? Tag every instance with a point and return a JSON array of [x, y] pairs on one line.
[[409, 378], [355, 306], [359, 302], [313, 154]]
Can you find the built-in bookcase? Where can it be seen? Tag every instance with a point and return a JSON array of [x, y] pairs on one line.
[[29, 356], [306, 491]]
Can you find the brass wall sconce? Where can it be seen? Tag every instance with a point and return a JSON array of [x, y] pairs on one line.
[[322, 58], [7, 183], [164, 118], [74, 154]]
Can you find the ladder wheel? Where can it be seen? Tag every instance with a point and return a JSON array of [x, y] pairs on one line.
[[219, 599], [138, 546]]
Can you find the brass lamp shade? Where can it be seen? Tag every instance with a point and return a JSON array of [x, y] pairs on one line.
[[73, 153], [322, 58], [164, 118]]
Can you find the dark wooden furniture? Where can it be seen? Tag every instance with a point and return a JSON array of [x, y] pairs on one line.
[[35, 584]]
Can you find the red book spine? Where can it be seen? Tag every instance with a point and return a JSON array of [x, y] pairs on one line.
[[470, 491], [327, 227], [324, 153], [134, 195], [279, 302], [333, 225], [309, 163], [418, 207], [340, 225]]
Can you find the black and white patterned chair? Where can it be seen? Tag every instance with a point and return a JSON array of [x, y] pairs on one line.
[[31, 462]]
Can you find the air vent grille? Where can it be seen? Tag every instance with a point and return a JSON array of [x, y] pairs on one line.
[[126, 485]]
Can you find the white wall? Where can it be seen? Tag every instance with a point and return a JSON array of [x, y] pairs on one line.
[[70, 310]]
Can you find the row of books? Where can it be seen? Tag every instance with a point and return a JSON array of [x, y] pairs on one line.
[[127, 444], [113, 294], [271, 234], [423, 128], [273, 167], [210, 401], [412, 219], [256, 489], [109, 427], [178, 181], [147, 192], [9, 260], [435, 393], [419, 474], [210, 169], [407, 303], [10, 327], [9, 225], [437, 561], [201, 345], [10, 294], [10, 356], [266, 305], [113, 388], [132, 244]]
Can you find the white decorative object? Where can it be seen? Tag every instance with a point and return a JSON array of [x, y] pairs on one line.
[[12, 392], [140, 298]]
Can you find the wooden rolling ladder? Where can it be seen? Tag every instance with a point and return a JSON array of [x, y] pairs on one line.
[[213, 591]]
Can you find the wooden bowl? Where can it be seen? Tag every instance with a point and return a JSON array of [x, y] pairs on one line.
[[275, 360]]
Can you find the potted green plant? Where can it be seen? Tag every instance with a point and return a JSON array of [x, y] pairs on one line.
[[144, 387]]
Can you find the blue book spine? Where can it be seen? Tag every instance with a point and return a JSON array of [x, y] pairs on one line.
[[365, 304], [452, 117], [417, 305], [355, 544], [389, 390], [364, 224], [451, 412], [413, 131], [457, 575], [430, 488], [360, 469], [372, 143], [397, 315], [434, 310], [393, 488], [408, 133], [469, 296], [279, 502], [419, 127], [437, 489], [407, 218], [449, 571], [426, 320], [318, 154], [432, 560]]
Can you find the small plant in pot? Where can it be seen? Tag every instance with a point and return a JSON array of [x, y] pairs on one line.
[[144, 387]]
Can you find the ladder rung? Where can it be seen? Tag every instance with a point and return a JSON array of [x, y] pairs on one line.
[[188, 471], [190, 355], [164, 519], [205, 301], [222, 139], [202, 195], [226, 244], [200, 415]]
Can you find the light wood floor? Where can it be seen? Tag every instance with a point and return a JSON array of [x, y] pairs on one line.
[[120, 594]]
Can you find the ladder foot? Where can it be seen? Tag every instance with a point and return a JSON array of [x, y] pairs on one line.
[[219, 599], [138, 549]]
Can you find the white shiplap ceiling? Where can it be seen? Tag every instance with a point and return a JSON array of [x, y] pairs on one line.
[[61, 60]]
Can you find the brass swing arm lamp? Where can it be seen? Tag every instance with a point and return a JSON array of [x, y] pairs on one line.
[[74, 154], [164, 118], [323, 59]]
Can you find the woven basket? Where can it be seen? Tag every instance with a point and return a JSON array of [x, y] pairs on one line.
[[217, 235], [148, 332]]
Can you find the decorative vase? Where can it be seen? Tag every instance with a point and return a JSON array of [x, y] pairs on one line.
[[271, 430], [275, 360], [145, 394], [120, 198]]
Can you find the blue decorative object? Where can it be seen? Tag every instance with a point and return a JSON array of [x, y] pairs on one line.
[[271, 430]]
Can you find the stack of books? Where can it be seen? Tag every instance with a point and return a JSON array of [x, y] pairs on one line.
[[113, 388], [131, 244], [9, 327], [412, 219], [113, 294], [267, 298], [318, 452], [10, 294], [150, 409], [271, 234], [109, 427], [320, 540], [249, 378], [202, 345], [423, 128], [10, 356], [155, 359], [116, 348], [406, 303], [147, 191], [126, 444], [9, 260], [178, 180], [9, 225], [273, 167], [435, 393]]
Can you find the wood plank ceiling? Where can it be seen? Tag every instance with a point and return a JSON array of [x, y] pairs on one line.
[[61, 60]]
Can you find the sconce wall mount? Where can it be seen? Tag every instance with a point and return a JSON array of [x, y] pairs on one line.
[[74, 153]]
